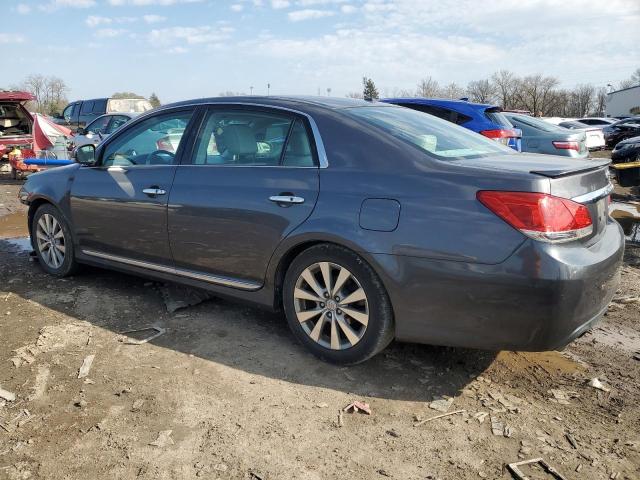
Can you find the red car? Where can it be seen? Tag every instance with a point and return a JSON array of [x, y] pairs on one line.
[[24, 135]]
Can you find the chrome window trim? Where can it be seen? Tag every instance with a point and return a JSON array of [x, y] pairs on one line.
[[317, 138], [595, 195], [205, 277]]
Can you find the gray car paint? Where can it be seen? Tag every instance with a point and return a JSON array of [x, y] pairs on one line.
[[536, 140], [455, 272]]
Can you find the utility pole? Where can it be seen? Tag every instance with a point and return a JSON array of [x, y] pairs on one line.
[[268, 88], [328, 91], [251, 89]]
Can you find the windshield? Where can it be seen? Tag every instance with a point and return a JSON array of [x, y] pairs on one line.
[[534, 122], [436, 137], [128, 105]]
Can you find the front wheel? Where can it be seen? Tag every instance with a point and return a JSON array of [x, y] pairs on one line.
[[336, 305], [51, 239]]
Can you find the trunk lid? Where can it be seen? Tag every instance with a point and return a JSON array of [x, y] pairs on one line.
[[21, 97]]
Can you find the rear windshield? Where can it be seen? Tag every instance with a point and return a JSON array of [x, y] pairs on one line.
[[535, 123], [128, 105], [436, 137], [496, 116]]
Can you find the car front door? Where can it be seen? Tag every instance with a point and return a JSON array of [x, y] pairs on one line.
[[251, 178], [119, 206]]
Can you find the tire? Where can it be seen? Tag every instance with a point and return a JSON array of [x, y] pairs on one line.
[[351, 326], [49, 225]]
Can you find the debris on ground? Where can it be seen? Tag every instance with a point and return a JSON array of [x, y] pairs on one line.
[[422, 422], [164, 439], [500, 429], [340, 418], [7, 395], [515, 469], [179, 296], [357, 406], [562, 396], [571, 440], [86, 366], [393, 433], [597, 384], [441, 404], [132, 341], [480, 416], [627, 299], [137, 405]]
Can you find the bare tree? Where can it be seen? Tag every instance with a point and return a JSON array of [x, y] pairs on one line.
[[504, 83], [50, 93], [452, 90], [428, 87], [481, 91], [582, 99], [600, 101], [354, 95], [536, 93]]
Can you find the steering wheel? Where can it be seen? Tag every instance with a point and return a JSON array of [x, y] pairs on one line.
[[160, 157]]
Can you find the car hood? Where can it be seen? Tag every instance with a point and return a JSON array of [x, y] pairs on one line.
[[19, 97], [551, 166]]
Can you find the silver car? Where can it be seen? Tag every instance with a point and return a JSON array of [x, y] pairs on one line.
[[539, 136], [100, 128]]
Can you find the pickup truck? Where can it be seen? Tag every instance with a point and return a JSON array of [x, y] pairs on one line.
[[82, 112]]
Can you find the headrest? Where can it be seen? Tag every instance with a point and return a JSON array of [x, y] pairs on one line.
[[238, 139]]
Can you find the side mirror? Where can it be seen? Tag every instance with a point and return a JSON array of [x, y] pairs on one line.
[[81, 131], [86, 154]]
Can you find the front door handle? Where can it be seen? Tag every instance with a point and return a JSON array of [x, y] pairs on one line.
[[288, 199], [152, 192]]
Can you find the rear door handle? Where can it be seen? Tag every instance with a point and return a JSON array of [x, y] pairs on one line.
[[290, 199], [153, 191]]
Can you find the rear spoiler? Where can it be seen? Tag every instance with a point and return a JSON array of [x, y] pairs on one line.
[[589, 165]]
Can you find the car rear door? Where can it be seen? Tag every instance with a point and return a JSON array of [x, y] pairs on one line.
[[249, 181], [119, 206]]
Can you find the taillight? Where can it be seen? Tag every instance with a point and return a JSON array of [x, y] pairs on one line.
[[501, 135], [539, 215], [567, 146], [164, 144]]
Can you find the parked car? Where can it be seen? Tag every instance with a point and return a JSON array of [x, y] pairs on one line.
[[595, 135], [82, 112], [100, 128], [487, 120], [597, 121], [369, 222], [621, 130], [539, 136], [627, 151], [16, 123]]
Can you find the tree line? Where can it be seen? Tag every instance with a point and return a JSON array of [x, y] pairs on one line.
[[538, 94], [51, 92]]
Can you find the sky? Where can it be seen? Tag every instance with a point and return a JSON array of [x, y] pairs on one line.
[[183, 49]]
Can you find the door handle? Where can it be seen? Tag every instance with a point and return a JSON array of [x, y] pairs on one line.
[[152, 192], [289, 199]]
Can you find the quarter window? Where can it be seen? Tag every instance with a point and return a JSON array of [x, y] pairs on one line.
[[250, 138], [87, 107], [154, 141]]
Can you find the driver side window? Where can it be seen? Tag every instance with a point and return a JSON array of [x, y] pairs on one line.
[[153, 141]]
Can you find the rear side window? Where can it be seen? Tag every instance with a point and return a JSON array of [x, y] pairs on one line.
[[87, 107], [535, 123], [435, 137], [252, 138], [440, 112], [99, 106], [495, 115]]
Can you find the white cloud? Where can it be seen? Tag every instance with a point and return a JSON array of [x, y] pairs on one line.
[[186, 35], [236, 7], [348, 9], [311, 3], [146, 3], [178, 50], [278, 4], [23, 8], [95, 20], [308, 14], [56, 4], [11, 38], [109, 32], [153, 18]]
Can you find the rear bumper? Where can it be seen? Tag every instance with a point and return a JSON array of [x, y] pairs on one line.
[[540, 298]]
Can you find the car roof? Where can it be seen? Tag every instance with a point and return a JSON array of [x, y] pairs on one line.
[[442, 102], [289, 101]]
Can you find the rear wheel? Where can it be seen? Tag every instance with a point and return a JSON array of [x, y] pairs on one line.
[[52, 241], [336, 305]]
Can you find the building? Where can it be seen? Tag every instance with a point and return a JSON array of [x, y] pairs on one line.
[[623, 102]]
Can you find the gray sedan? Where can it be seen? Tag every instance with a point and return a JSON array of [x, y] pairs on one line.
[[362, 221], [539, 136], [100, 128]]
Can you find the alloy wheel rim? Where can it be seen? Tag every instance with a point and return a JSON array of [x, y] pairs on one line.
[[331, 305], [51, 241]]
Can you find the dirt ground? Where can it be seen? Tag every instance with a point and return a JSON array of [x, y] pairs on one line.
[[227, 393]]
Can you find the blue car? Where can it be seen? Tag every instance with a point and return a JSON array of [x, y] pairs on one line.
[[487, 120]]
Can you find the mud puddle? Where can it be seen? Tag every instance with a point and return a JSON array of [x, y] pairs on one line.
[[13, 225], [628, 216]]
